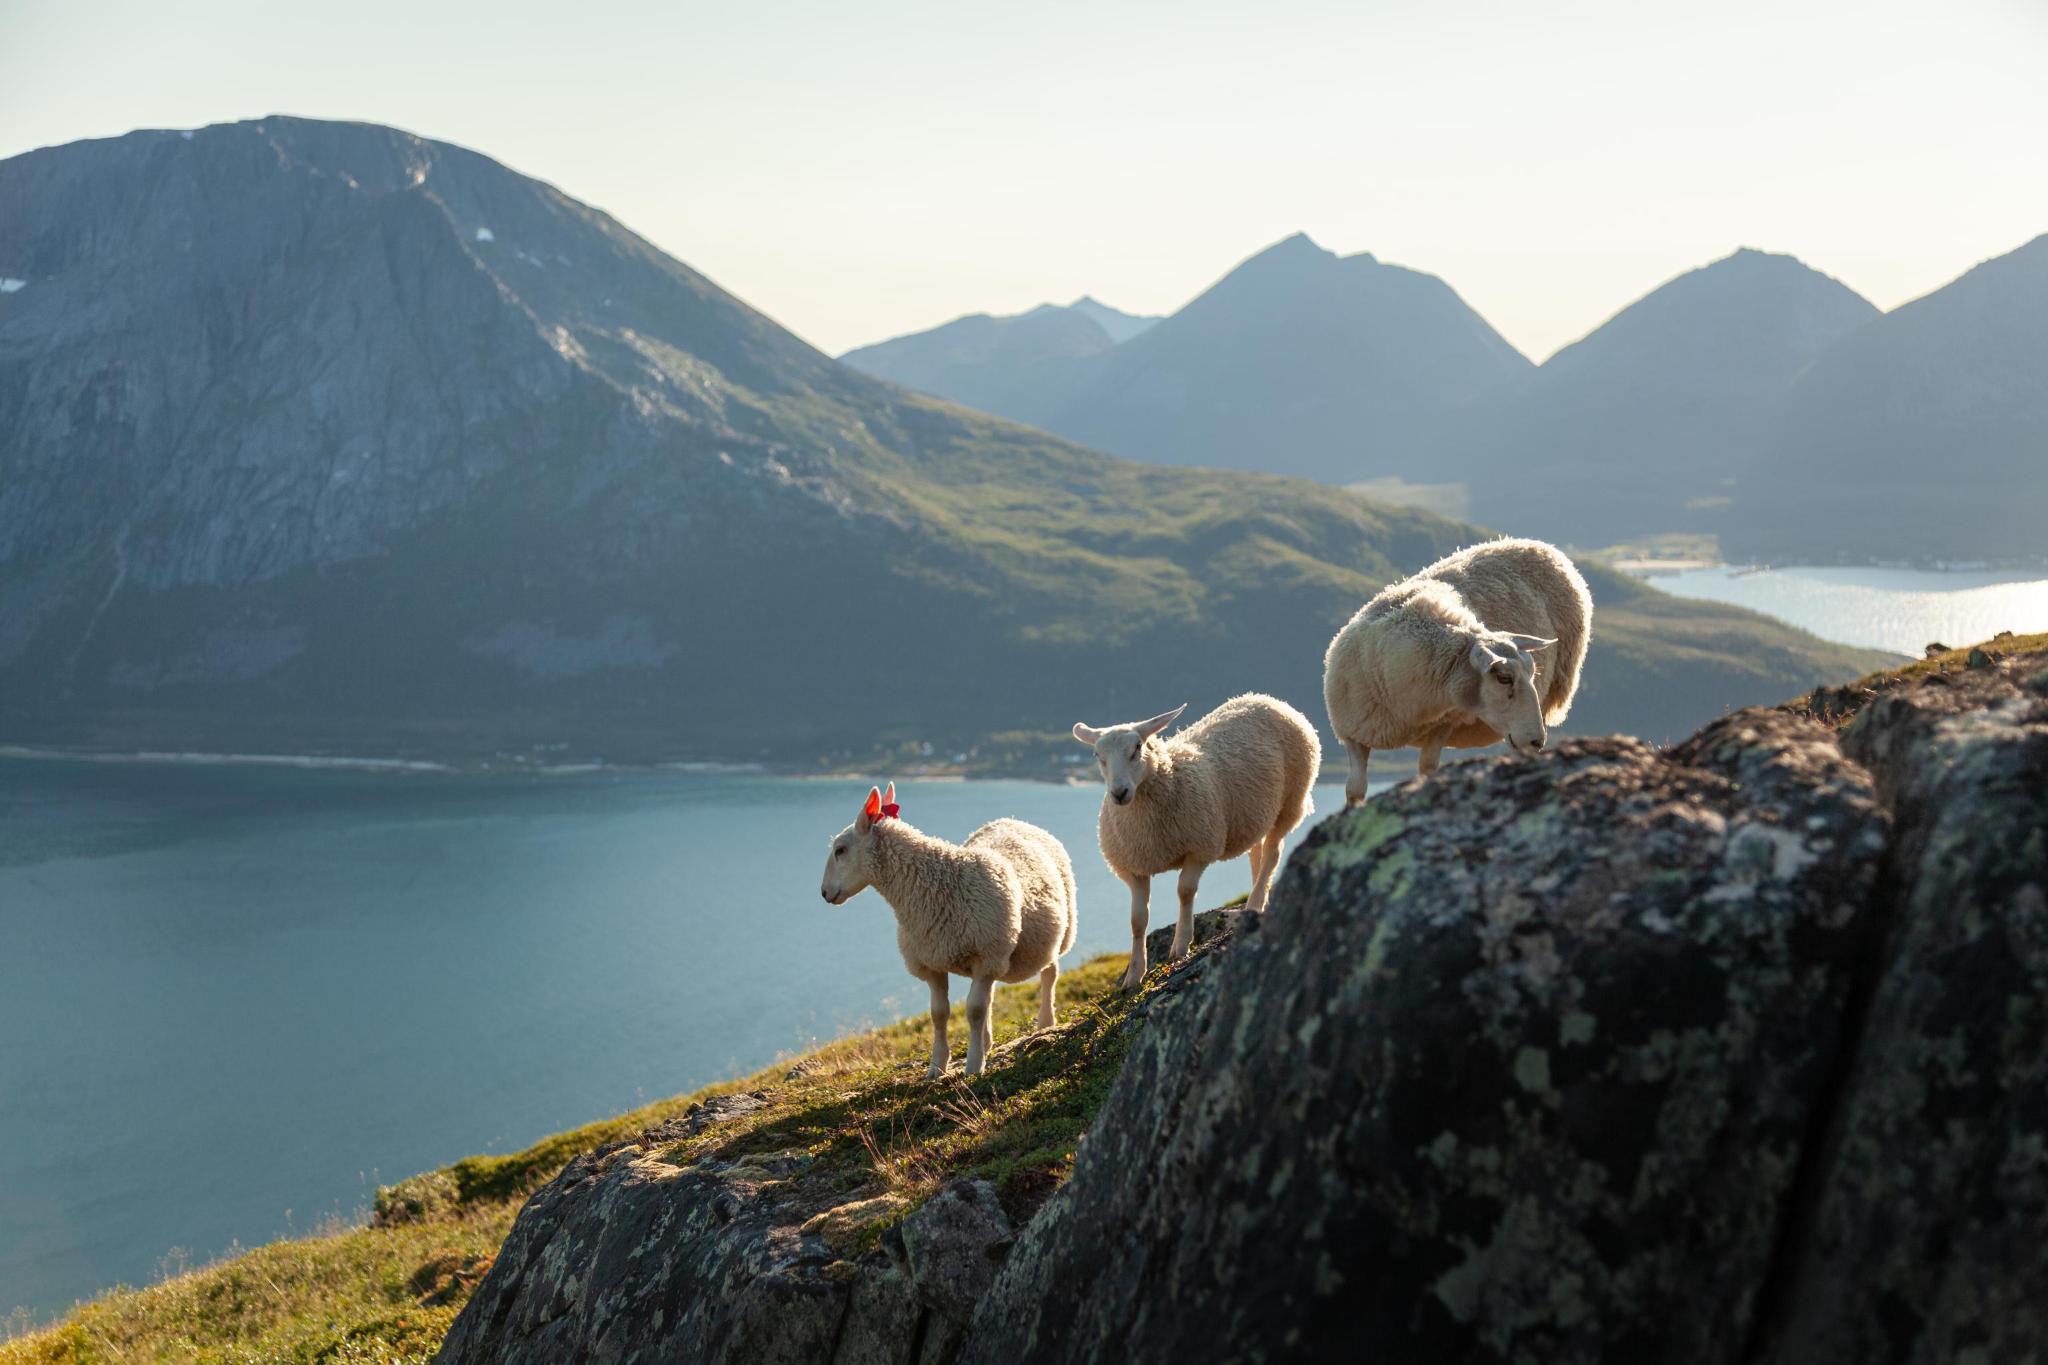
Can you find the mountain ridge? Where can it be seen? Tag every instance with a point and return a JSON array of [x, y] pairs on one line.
[[1921, 435], [1643, 425], [327, 438]]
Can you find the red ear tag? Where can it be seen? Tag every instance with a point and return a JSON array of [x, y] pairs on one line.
[[890, 810]]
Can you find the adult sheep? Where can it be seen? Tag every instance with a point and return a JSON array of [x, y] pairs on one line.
[[999, 907], [1236, 781], [1482, 645]]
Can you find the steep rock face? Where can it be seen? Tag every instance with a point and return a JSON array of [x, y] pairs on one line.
[[1521, 1066], [1925, 1234]]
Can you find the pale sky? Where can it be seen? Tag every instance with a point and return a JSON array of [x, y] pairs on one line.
[[858, 170]]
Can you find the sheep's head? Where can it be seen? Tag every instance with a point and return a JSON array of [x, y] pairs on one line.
[[1124, 753], [1499, 684], [850, 866]]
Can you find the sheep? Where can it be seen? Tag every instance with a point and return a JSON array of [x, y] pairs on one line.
[[1482, 645], [1237, 780], [1000, 907]]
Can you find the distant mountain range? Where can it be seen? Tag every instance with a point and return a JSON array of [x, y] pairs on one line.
[[1298, 361], [1643, 426], [1741, 399], [322, 437], [1922, 434], [1021, 367]]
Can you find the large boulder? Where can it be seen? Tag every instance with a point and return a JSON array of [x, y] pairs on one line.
[[1523, 1065], [1925, 1236]]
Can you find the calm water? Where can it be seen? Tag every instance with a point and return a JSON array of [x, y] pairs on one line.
[[233, 1000], [1896, 609]]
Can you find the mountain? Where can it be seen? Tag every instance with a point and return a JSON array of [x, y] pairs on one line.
[[1117, 324], [1020, 367], [1642, 426], [1921, 435], [1297, 362], [323, 437]]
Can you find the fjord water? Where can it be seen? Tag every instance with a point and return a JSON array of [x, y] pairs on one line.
[[1896, 609], [233, 999]]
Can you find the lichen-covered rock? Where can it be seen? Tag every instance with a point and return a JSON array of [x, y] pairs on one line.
[[1926, 1234], [1521, 1066], [954, 1243], [625, 1256], [654, 1249]]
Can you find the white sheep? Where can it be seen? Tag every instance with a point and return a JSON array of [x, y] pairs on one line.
[[1235, 781], [1482, 645], [1000, 907]]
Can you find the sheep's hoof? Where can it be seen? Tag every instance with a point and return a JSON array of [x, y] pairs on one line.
[[932, 1073]]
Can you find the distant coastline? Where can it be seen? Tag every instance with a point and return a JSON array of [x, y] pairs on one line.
[[49, 753]]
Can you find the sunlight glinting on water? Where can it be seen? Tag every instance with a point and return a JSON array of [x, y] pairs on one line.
[[1902, 610]]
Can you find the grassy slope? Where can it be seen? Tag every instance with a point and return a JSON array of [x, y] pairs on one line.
[[862, 1105]]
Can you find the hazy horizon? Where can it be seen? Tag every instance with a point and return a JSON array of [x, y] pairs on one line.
[[860, 175]]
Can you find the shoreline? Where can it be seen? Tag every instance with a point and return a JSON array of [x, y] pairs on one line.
[[195, 758]]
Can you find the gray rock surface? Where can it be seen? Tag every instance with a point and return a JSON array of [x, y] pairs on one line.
[[1520, 1066], [1926, 1238]]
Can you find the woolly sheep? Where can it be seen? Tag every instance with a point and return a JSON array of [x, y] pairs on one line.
[[1000, 907], [1235, 781], [1482, 645]]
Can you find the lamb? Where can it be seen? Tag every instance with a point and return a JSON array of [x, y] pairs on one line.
[[1235, 781], [1481, 645], [1000, 907]]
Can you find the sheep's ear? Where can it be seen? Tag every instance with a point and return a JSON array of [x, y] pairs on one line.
[[871, 808], [1534, 642], [1149, 728], [1482, 656], [889, 797], [1086, 733]]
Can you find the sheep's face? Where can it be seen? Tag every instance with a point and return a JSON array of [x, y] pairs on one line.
[[850, 864], [1500, 689], [1124, 753]]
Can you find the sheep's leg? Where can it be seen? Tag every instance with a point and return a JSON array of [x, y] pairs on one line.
[[1048, 983], [1431, 752], [1184, 927], [1262, 879], [1141, 919], [979, 1034], [1354, 785], [1257, 900], [941, 1009]]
